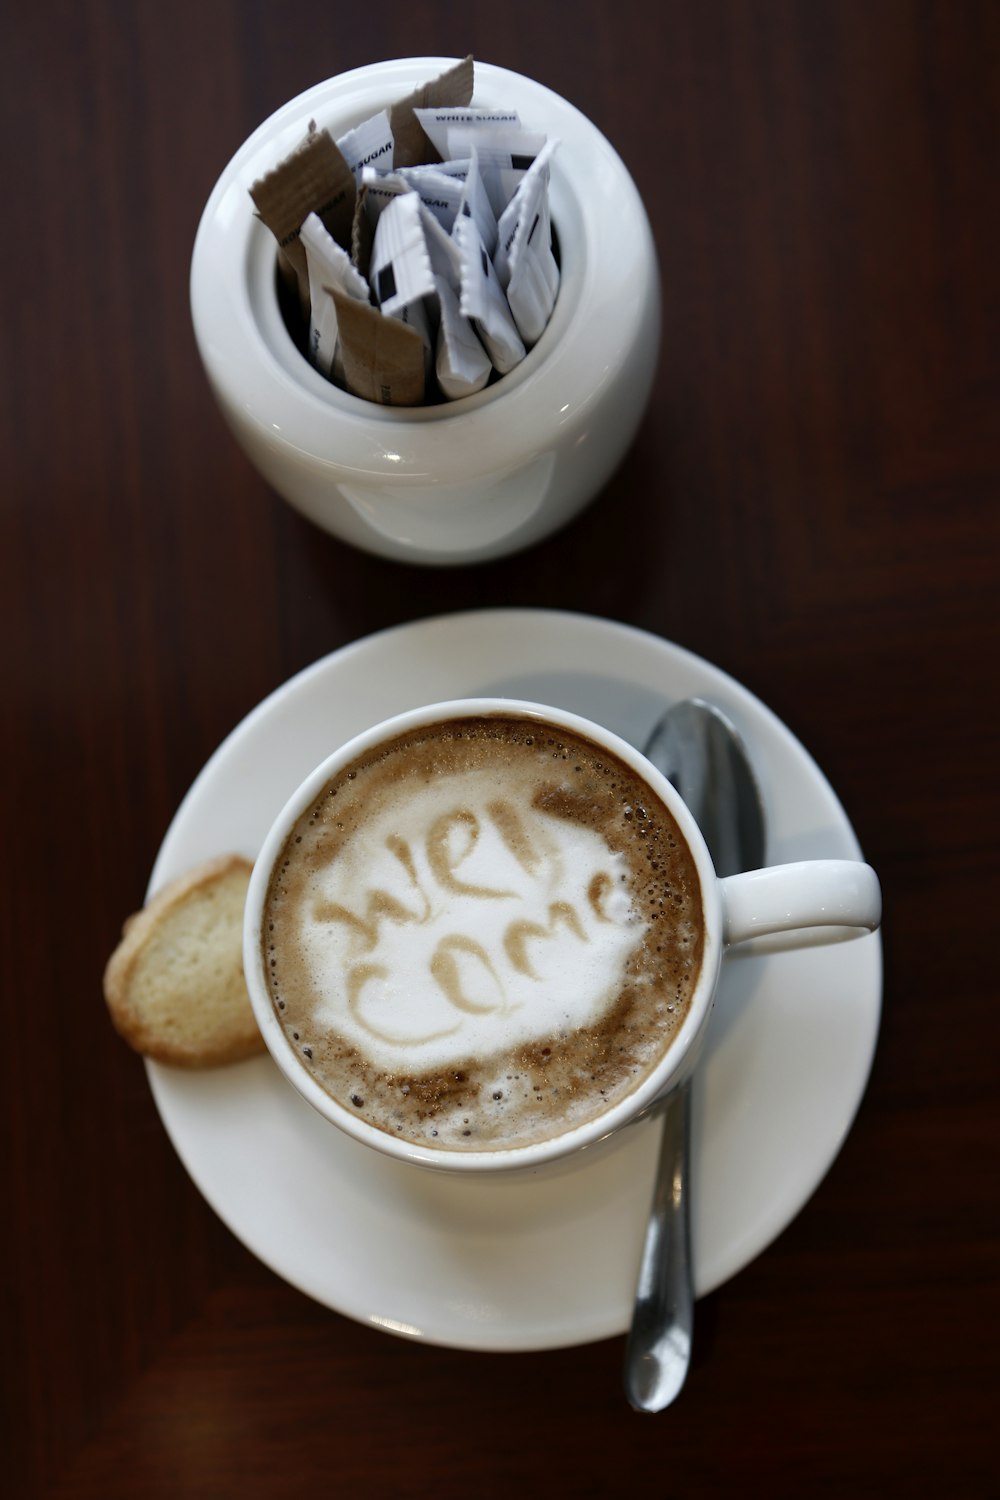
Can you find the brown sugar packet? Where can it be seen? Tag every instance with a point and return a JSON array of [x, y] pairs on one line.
[[384, 359], [362, 235], [315, 178], [452, 90]]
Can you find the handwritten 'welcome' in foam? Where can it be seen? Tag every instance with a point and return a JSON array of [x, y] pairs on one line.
[[463, 919]]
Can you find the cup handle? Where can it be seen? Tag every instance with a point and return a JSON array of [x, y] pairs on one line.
[[812, 893]]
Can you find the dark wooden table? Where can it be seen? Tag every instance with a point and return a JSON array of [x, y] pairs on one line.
[[812, 504]]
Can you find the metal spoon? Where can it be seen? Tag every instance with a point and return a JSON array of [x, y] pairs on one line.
[[701, 753]]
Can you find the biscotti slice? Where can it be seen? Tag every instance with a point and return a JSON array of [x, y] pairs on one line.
[[174, 985]]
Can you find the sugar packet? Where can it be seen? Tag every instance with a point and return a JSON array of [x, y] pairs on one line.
[[314, 178], [525, 265], [482, 299], [330, 270]]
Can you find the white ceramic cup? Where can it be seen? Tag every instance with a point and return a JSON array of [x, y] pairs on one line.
[[463, 481], [794, 899]]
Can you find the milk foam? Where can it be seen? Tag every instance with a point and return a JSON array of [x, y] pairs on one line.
[[462, 920]]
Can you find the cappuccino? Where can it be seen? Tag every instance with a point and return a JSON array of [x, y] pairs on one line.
[[482, 933]]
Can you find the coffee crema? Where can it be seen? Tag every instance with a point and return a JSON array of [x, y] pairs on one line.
[[483, 933]]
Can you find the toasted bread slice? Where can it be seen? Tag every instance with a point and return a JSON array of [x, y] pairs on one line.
[[174, 985]]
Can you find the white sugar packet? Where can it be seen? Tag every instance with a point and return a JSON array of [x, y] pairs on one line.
[[505, 154], [441, 193], [476, 204], [524, 262], [329, 267], [482, 298], [462, 364], [400, 272], [445, 256], [369, 144], [380, 190], [472, 200], [437, 122]]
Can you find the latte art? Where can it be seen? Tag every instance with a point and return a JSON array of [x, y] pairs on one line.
[[482, 933], [458, 926]]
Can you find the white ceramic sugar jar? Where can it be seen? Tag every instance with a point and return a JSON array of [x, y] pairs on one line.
[[468, 480]]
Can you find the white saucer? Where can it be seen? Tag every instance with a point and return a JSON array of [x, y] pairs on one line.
[[525, 1264]]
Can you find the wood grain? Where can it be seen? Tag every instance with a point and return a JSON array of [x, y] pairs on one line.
[[812, 503]]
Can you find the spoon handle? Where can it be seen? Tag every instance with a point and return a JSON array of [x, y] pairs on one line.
[[658, 1350]]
